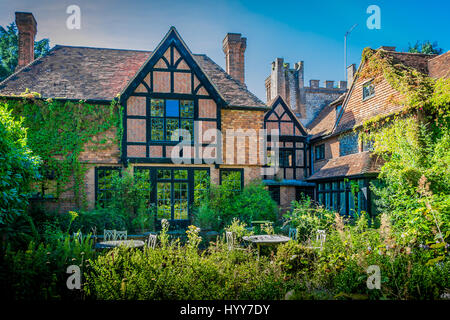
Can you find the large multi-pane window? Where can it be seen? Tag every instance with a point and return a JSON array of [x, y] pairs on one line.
[[338, 196], [172, 194], [234, 178], [174, 190], [167, 116], [104, 177]]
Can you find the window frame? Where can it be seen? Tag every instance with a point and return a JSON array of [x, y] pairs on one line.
[[319, 155], [164, 118], [97, 190], [153, 172], [241, 170], [365, 85], [282, 153]]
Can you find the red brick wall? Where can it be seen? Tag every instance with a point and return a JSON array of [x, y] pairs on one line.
[[242, 119]]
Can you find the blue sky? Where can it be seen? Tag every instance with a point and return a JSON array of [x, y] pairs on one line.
[[309, 31]]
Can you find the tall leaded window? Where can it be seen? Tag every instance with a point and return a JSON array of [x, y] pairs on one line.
[[104, 187], [201, 185], [167, 116], [286, 157], [320, 152], [234, 178]]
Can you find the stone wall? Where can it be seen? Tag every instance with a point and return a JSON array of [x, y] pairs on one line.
[[306, 102]]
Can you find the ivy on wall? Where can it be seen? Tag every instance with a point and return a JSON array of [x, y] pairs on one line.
[[60, 130], [415, 145]]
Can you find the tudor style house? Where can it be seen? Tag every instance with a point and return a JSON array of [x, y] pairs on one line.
[[170, 88], [162, 91], [338, 155]]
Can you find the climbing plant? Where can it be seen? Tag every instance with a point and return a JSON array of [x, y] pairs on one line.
[[60, 130], [415, 145]]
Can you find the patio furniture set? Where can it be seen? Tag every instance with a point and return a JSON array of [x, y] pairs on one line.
[[114, 238], [275, 239]]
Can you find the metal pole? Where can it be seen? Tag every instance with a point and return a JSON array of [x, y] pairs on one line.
[[345, 47]]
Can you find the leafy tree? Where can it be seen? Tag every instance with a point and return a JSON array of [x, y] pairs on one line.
[[18, 169], [9, 49], [425, 47]]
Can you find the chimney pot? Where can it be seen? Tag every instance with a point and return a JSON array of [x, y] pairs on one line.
[[329, 84], [27, 26], [387, 48], [314, 83], [234, 46], [342, 84], [351, 70]]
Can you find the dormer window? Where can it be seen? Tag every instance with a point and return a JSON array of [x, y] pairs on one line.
[[368, 90]]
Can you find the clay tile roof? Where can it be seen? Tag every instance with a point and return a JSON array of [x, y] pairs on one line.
[[323, 123], [439, 67], [418, 61], [77, 73], [84, 73], [349, 165], [232, 90]]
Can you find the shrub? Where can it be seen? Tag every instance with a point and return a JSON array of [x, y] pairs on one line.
[[224, 203], [308, 218], [39, 271], [179, 273], [239, 229], [18, 169], [293, 257]]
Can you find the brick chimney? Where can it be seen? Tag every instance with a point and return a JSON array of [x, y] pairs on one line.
[[26, 24], [351, 70], [234, 47], [387, 48]]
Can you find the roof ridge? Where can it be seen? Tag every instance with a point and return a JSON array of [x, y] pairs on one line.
[[241, 86], [100, 48]]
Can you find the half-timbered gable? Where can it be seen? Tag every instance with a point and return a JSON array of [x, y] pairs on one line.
[[292, 154], [170, 92], [287, 152]]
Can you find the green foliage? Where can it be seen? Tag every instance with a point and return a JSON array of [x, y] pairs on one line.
[[59, 131], [177, 272], [38, 272], [425, 47], [293, 257], [224, 203], [9, 49], [308, 218], [239, 229], [18, 168], [130, 199]]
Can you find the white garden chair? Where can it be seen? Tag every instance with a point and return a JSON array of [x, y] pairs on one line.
[[109, 235], [78, 236], [321, 236], [230, 239], [151, 242], [293, 233], [121, 235]]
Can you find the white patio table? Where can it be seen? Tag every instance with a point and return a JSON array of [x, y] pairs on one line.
[[120, 243], [266, 239]]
